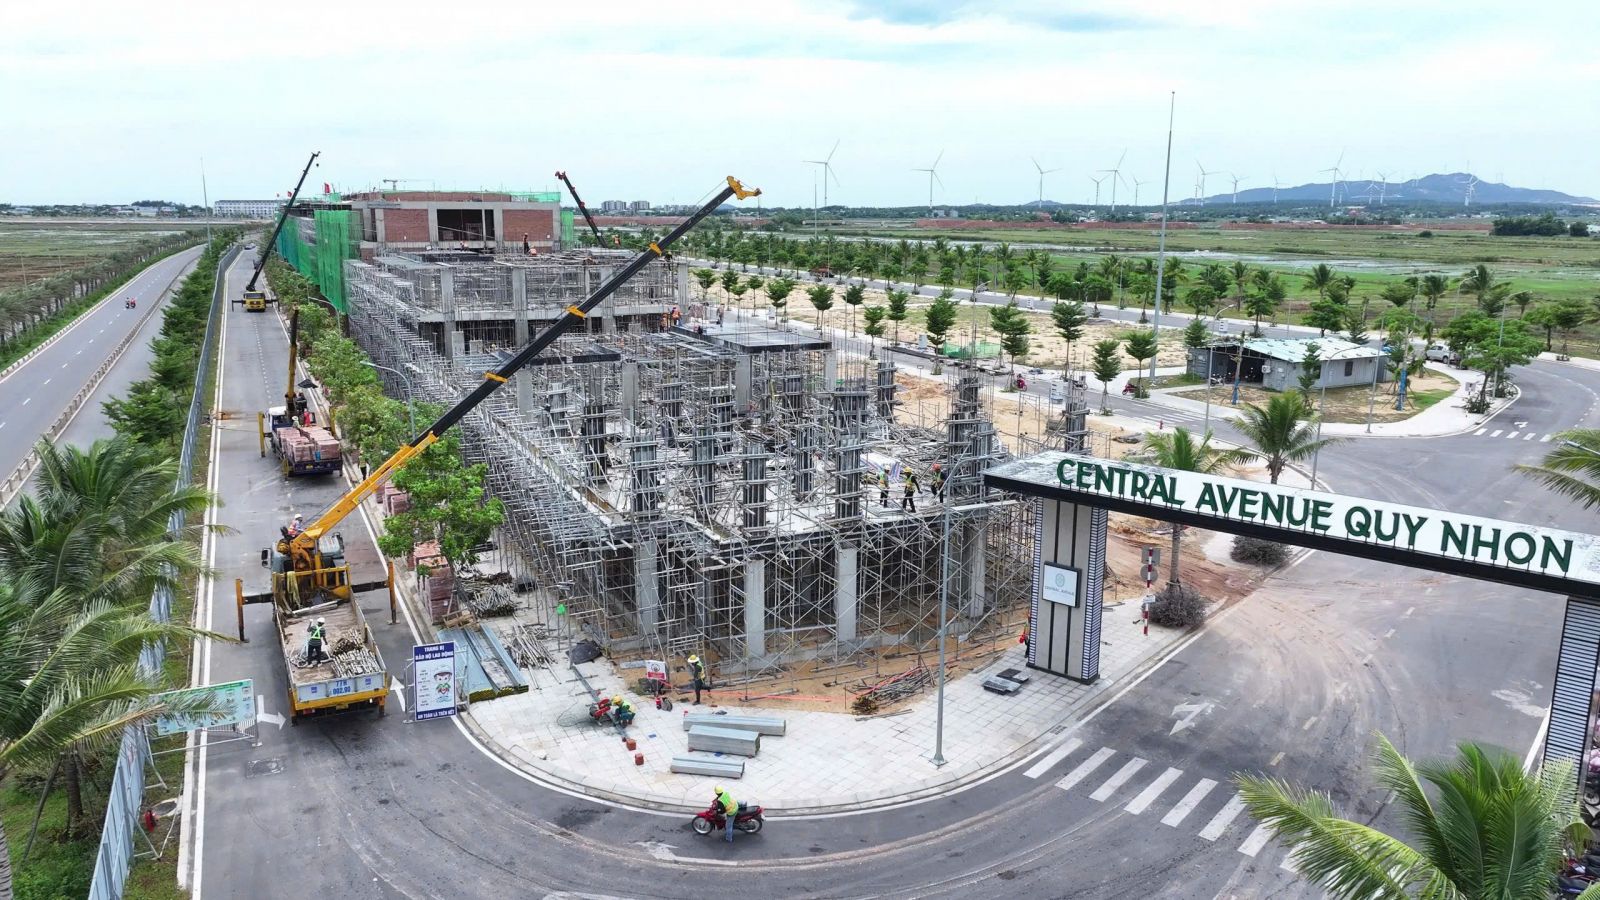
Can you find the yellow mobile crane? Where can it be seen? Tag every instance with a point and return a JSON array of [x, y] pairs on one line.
[[308, 567], [254, 299]]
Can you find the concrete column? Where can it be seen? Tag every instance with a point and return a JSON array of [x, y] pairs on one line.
[[647, 590], [830, 370], [630, 389], [1063, 625], [844, 599], [447, 307], [742, 376], [974, 557], [682, 284], [755, 608]]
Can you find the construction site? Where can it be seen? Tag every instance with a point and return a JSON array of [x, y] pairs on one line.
[[681, 479]]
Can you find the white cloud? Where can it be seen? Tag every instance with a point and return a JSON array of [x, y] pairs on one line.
[[115, 101]]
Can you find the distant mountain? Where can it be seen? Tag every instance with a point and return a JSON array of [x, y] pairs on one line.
[[1451, 188]]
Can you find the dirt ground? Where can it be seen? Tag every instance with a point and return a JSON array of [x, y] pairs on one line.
[[1349, 404]]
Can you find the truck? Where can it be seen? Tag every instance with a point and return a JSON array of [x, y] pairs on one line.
[[302, 447], [352, 674], [254, 299]]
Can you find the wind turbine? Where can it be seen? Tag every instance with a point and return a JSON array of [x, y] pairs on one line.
[[1136, 183], [1332, 189], [1200, 185], [827, 170], [933, 175], [1116, 175], [1236, 179], [1471, 181], [1383, 187], [1275, 187], [1097, 187], [1042, 173]]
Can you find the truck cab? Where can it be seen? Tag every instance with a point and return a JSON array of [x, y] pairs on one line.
[[255, 301]]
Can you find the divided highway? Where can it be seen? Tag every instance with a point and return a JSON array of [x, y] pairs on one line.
[[39, 390]]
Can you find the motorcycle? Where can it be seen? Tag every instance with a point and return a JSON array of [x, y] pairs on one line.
[[129, 304], [748, 819]]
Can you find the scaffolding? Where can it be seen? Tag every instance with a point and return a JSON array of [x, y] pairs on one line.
[[681, 480]]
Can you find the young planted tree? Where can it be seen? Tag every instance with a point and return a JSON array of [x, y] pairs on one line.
[[1202, 299], [1282, 432], [1265, 300], [1310, 373], [1178, 449], [739, 290], [1107, 366], [1195, 335], [1069, 320], [1012, 326], [1486, 829], [1141, 346], [1355, 324], [705, 278], [852, 297], [1321, 278], [730, 281], [448, 505], [1433, 288], [874, 316], [897, 310], [941, 318], [821, 297], [778, 291]]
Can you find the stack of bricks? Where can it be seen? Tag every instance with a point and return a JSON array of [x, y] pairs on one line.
[[435, 578]]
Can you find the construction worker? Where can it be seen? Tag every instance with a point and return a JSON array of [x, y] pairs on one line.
[[909, 482], [316, 636], [938, 482], [697, 674], [883, 488], [623, 710], [730, 810]]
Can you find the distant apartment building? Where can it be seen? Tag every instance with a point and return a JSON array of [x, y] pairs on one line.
[[248, 209], [612, 207], [639, 206]]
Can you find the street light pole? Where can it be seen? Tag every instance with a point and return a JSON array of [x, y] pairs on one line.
[[1372, 399], [411, 416]]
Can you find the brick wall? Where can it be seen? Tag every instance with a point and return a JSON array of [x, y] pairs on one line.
[[538, 225], [404, 226]]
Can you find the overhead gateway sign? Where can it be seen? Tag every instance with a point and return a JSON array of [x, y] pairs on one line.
[[1543, 557]]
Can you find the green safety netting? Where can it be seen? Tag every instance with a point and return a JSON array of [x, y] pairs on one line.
[[334, 236], [569, 235], [984, 351]]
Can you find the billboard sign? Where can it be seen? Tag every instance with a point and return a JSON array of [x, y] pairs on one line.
[[434, 667], [230, 703]]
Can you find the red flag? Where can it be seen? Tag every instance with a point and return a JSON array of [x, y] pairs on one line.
[[327, 188]]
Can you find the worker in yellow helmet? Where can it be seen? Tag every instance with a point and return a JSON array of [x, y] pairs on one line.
[[623, 710], [697, 674]]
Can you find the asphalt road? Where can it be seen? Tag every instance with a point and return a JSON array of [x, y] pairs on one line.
[[1293, 682], [37, 392]]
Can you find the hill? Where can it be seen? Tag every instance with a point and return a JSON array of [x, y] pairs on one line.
[[1446, 188]]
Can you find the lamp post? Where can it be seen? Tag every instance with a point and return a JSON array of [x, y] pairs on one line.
[[1372, 399], [411, 416]]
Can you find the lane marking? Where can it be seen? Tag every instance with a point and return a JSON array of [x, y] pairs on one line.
[[1188, 803], [1513, 435], [1278, 758], [1128, 770], [1288, 863], [1546, 439], [1389, 633], [1309, 722], [1366, 659], [1479, 431], [1498, 432], [1044, 765], [26, 400], [1257, 839], [46, 381], [1219, 822], [1529, 436], [1408, 612], [1148, 796], [1084, 768]]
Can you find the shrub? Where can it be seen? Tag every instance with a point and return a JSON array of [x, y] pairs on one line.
[[1425, 233], [1178, 606], [1258, 552]]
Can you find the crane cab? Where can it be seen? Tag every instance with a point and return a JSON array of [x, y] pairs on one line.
[[307, 576]]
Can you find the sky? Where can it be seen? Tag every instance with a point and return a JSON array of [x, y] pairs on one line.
[[112, 102]]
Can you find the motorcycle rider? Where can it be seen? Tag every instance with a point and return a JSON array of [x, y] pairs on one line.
[[730, 810]]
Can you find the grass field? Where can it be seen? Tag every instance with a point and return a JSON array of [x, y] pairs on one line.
[[29, 251]]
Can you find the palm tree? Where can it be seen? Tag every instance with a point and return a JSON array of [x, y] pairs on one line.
[[1491, 830], [1572, 467], [1283, 432], [1320, 278], [1179, 450], [1433, 287]]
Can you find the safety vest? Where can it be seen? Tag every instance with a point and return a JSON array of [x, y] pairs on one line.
[[728, 805], [316, 633]]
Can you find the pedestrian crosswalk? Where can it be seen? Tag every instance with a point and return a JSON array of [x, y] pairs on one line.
[[1216, 814], [1515, 434]]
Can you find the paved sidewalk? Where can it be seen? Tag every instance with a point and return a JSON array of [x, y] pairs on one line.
[[826, 762]]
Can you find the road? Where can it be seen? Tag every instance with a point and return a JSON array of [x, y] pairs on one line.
[[38, 391], [1293, 681]]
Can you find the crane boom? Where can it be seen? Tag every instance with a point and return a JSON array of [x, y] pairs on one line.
[[581, 208], [302, 548], [283, 215]]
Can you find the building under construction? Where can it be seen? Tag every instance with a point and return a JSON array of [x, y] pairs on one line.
[[688, 480]]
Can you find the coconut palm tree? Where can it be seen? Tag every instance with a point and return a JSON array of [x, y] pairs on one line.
[[1488, 829], [1320, 278], [1572, 467], [1433, 287], [1179, 450], [1283, 432]]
